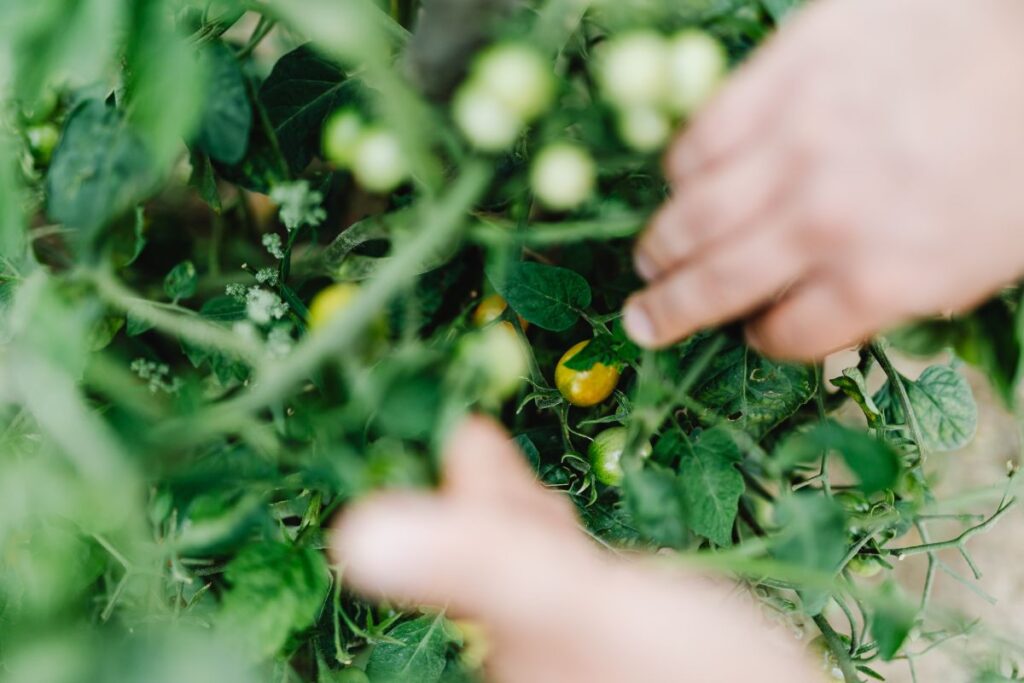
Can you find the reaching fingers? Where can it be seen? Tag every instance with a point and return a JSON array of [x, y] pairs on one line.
[[727, 282], [714, 206], [814, 320]]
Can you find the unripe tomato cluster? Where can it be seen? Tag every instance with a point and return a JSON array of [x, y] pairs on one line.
[[373, 153], [650, 81]]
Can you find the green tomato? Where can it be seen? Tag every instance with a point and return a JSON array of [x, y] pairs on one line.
[[378, 163], [497, 358], [645, 129], [42, 140], [488, 124], [606, 455], [633, 69], [865, 566], [563, 176], [351, 675], [697, 64], [518, 77], [342, 135]]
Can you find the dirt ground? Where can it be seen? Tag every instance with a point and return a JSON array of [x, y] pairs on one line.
[[996, 553]]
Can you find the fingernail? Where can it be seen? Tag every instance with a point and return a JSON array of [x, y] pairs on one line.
[[644, 266], [638, 324]]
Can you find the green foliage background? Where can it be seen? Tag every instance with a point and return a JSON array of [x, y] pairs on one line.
[[173, 445]]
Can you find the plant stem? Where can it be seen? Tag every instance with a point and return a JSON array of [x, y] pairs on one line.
[[896, 379], [958, 542], [835, 644]]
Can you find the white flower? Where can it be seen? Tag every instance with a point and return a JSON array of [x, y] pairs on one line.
[[262, 306]]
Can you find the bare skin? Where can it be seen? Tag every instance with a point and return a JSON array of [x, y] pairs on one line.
[[864, 169], [497, 547]]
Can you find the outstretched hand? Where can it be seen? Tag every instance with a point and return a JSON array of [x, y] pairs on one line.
[[861, 170], [495, 546]]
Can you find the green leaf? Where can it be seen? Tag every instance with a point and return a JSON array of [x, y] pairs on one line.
[[299, 94], [779, 9], [991, 341], [417, 656], [711, 485], [204, 180], [526, 446], [873, 461], [181, 282], [275, 590], [546, 296], [135, 325], [100, 169], [812, 535], [853, 384], [654, 497], [227, 117], [894, 618], [751, 391], [943, 403]]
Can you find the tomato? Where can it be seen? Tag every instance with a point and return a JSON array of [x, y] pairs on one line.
[[378, 162], [606, 455], [351, 675], [487, 123], [697, 64], [42, 139], [334, 299], [341, 136], [563, 176], [518, 76], [490, 309], [865, 566], [585, 388], [475, 644], [645, 129], [496, 358], [633, 69]]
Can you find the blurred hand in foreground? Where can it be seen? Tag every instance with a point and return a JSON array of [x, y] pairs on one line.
[[865, 168], [497, 547]]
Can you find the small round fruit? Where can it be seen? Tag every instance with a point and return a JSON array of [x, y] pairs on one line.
[[490, 309], [563, 176], [378, 162], [645, 129], [497, 360], [332, 300], [517, 76], [341, 136], [697, 65], [585, 388], [485, 120], [865, 566], [633, 69], [606, 455], [351, 675], [476, 646], [42, 139]]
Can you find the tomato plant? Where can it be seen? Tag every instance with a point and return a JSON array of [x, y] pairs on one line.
[[249, 252]]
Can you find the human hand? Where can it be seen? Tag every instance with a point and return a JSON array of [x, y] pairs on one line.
[[864, 169], [494, 546]]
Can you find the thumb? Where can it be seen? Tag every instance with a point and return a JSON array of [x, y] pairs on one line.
[[482, 465]]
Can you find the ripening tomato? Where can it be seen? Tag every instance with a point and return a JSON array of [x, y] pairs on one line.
[[487, 123], [563, 176], [585, 388], [519, 76], [378, 162], [644, 129], [633, 69], [606, 455], [490, 309], [332, 300], [341, 136], [697, 64]]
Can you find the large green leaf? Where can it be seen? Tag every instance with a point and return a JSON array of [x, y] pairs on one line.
[[414, 652], [811, 535], [547, 296], [751, 391], [872, 460], [301, 92], [943, 403], [227, 117], [711, 485], [100, 168], [654, 498], [275, 589], [894, 618]]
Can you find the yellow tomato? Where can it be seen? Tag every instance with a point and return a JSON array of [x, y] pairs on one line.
[[587, 387], [490, 309], [334, 299]]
